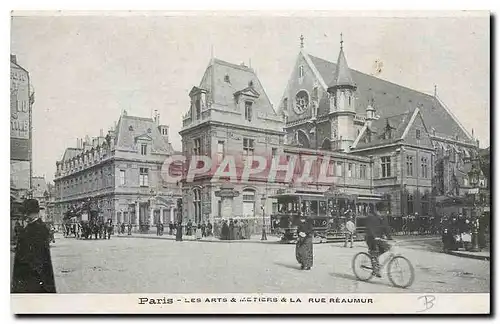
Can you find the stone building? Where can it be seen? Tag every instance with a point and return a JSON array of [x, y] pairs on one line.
[[22, 99], [231, 115], [417, 145], [121, 172]]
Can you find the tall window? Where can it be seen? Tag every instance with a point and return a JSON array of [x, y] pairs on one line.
[[197, 205], [220, 151], [425, 204], [338, 169], [274, 151], [198, 109], [248, 146], [410, 204], [409, 166], [144, 149], [248, 110], [197, 146], [386, 166], [424, 167], [315, 94], [349, 170], [122, 177], [143, 177], [362, 171], [301, 71], [417, 133]]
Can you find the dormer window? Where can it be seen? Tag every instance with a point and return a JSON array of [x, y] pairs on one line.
[[250, 84], [248, 110], [144, 149], [131, 128], [149, 130], [226, 78]]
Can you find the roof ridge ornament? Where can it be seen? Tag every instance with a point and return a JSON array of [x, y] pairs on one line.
[[341, 42], [301, 41]]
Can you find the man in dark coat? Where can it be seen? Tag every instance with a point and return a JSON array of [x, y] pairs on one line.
[[377, 229], [231, 230], [33, 272], [178, 233], [209, 229], [225, 231]]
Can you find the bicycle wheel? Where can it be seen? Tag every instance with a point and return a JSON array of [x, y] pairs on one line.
[[362, 266], [400, 272]]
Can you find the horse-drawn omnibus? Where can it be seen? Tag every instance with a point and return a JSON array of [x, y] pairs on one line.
[[328, 213]]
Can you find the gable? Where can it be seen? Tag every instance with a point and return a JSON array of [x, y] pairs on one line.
[[415, 129], [305, 84]]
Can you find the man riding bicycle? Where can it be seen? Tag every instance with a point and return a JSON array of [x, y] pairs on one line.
[[377, 231]]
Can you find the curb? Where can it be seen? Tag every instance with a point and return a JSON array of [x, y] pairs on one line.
[[469, 256], [195, 240]]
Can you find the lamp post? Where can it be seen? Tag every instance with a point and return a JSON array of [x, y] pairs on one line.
[[474, 181], [263, 207], [151, 210]]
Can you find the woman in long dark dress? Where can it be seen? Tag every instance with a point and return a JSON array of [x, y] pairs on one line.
[[304, 246]]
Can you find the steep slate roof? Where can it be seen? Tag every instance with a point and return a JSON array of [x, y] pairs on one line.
[[126, 138], [222, 93], [392, 99], [398, 124], [342, 76]]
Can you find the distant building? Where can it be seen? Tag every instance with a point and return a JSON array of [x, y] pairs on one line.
[[120, 173], [41, 193]]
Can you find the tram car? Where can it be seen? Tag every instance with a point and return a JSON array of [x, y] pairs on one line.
[[328, 213]]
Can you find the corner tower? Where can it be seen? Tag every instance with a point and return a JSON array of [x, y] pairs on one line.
[[342, 103]]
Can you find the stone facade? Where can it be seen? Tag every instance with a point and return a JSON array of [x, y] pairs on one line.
[[122, 172]]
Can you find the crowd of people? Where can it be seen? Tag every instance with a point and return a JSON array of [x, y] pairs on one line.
[[87, 230], [459, 231]]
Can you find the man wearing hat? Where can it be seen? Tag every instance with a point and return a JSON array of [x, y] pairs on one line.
[[33, 272]]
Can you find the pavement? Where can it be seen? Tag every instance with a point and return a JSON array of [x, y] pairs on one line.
[[425, 242], [164, 265]]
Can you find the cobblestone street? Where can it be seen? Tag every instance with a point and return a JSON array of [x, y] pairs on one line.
[[137, 265]]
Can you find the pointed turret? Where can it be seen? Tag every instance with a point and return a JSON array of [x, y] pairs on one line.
[[342, 76]]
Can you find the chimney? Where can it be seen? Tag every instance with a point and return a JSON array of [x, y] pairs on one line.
[[13, 58]]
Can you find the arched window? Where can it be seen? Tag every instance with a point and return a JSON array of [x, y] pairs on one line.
[[197, 205], [249, 203]]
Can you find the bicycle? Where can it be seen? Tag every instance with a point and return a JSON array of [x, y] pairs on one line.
[[362, 268]]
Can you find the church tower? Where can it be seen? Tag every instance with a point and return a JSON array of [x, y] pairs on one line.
[[342, 104]]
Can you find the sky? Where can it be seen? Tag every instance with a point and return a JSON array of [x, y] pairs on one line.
[[87, 69]]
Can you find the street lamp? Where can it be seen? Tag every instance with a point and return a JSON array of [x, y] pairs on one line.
[[474, 181], [263, 207]]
